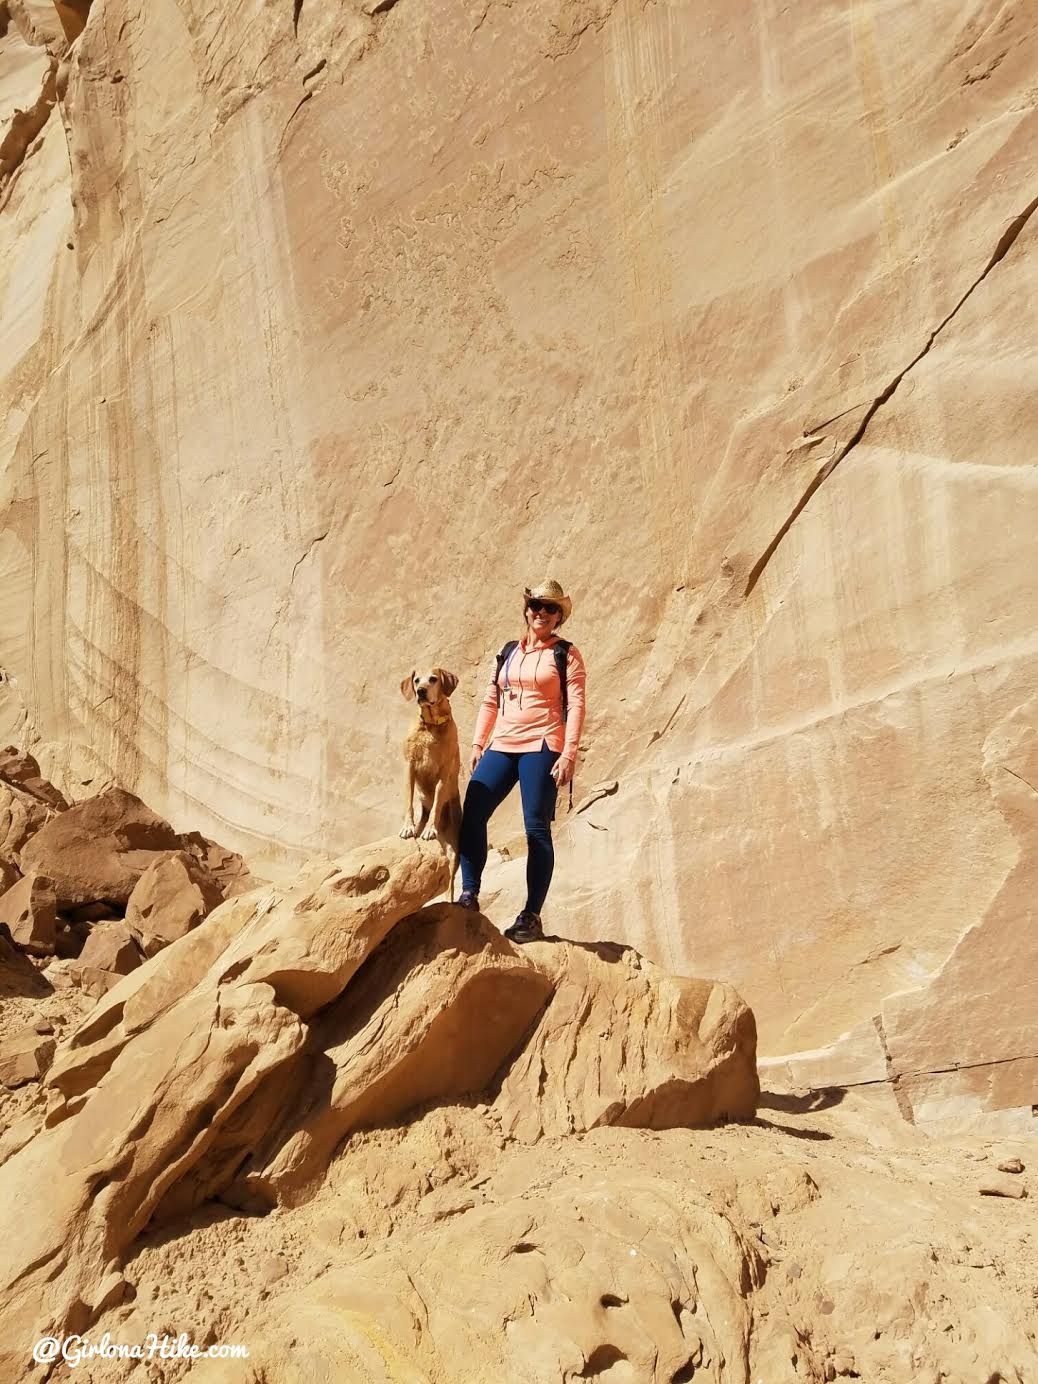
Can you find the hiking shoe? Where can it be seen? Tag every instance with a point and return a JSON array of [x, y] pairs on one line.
[[526, 928], [467, 899]]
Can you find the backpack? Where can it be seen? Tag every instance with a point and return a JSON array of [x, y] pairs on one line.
[[560, 652]]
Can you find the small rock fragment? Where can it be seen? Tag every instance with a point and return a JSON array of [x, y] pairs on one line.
[[1010, 1165], [1002, 1187], [108, 1293], [22, 771], [94, 981], [24, 1057], [62, 974]]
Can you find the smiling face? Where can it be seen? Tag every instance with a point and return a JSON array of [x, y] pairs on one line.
[[542, 622]]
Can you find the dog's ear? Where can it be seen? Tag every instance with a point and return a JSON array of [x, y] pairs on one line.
[[448, 681], [407, 687]]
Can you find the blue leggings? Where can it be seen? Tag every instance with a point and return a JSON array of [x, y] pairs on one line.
[[495, 777]]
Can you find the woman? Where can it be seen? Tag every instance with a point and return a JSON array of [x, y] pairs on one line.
[[532, 745]]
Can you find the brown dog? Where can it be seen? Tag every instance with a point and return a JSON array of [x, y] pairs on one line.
[[433, 763]]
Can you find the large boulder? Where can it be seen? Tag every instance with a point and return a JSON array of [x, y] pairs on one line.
[[29, 910], [172, 896], [97, 850], [434, 1013], [623, 1043]]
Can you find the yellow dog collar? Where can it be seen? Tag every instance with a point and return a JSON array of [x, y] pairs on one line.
[[432, 719]]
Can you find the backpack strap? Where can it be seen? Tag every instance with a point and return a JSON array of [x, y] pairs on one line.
[[502, 659], [561, 653]]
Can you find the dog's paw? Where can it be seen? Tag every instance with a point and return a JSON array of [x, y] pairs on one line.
[[430, 834], [407, 830]]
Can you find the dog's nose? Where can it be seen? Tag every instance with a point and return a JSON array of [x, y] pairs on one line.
[[422, 693]]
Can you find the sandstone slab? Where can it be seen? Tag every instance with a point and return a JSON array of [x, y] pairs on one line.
[[110, 947], [24, 1057], [29, 910], [171, 897], [21, 770], [1002, 1187], [992, 973], [87, 1187], [21, 817], [98, 849]]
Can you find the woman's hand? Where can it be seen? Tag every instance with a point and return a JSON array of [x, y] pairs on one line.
[[562, 772], [477, 755]]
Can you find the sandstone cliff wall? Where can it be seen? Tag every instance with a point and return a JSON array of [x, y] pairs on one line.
[[326, 328]]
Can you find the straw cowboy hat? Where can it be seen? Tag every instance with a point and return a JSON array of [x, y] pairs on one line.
[[550, 591]]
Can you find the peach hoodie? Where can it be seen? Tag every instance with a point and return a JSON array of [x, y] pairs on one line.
[[531, 708]]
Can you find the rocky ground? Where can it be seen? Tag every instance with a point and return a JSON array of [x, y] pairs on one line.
[[823, 1239], [535, 1219]]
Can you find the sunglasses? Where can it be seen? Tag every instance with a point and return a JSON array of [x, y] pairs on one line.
[[549, 607]]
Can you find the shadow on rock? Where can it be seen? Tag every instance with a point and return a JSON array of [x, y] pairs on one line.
[[817, 1135], [822, 1098]]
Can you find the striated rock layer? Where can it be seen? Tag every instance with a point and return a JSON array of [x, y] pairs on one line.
[[325, 329]]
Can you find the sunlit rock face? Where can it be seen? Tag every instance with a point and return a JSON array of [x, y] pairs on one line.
[[327, 328]]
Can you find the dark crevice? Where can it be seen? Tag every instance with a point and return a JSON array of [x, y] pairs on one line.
[[297, 9], [281, 144], [321, 536], [73, 15], [1002, 248], [601, 1360], [825, 422], [1020, 777], [968, 1066]]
